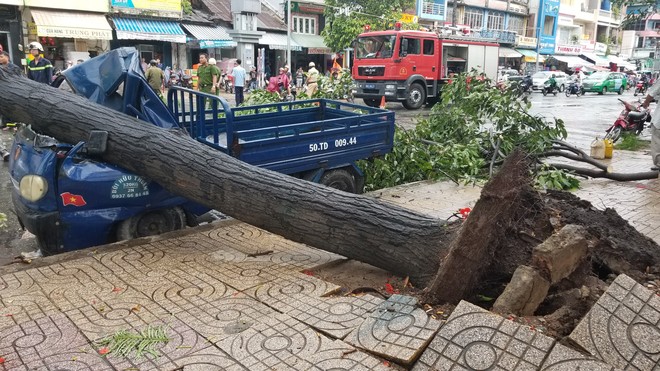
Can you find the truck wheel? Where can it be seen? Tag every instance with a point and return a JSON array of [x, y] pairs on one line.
[[152, 223], [339, 179], [371, 102], [416, 97]]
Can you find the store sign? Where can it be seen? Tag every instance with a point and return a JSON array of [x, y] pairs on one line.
[[600, 48], [409, 18], [568, 49], [526, 41], [74, 33], [204, 44], [32, 28], [565, 21], [163, 7], [319, 51], [77, 5], [520, 9]]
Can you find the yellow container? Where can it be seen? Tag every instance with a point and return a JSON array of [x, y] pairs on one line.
[[609, 148], [598, 149]]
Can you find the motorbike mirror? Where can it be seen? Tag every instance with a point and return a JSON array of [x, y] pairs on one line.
[[97, 142]]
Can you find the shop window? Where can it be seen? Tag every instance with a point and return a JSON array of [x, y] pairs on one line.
[[517, 24], [474, 18], [495, 20]]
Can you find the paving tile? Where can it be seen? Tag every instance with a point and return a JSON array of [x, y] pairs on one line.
[[623, 327], [28, 306], [18, 283], [562, 358], [397, 329], [132, 310], [274, 339], [132, 259], [288, 288], [225, 317], [244, 275], [336, 356], [475, 339], [335, 316], [49, 343], [209, 359]]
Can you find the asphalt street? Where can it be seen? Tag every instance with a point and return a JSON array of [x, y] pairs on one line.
[[585, 117]]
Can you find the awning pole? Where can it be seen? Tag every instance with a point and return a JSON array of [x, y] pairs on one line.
[[288, 34]]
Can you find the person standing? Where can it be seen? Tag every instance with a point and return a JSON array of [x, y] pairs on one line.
[[155, 77], [39, 69], [214, 64], [8, 66], [239, 82], [207, 75], [654, 94], [253, 78], [312, 80]]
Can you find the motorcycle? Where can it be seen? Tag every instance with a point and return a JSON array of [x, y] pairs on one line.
[[640, 88], [525, 86], [549, 89], [227, 83], [574, 88], [631, 119], [186, 81]]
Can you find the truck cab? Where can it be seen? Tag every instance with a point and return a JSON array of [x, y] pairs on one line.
[[410, 67]]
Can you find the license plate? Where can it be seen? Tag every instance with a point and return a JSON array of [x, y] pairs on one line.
[[369, 86]]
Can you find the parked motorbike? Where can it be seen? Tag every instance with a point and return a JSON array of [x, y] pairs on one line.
[[547, 89], [186, 81], [640, 88], [227, 83], [174, 79], [574, 88], [631, 119]]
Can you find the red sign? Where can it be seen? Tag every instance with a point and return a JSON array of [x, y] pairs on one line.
[[71, 199], [568, 49]]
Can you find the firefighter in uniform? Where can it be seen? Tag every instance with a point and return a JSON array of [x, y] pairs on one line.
[[39, 69]]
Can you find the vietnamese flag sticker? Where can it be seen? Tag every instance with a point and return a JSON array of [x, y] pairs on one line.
[[71, 199]]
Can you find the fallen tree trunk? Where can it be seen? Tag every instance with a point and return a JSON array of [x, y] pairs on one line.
[[358, 227]]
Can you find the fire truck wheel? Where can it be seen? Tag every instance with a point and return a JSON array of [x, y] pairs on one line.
[[339, 179], [371, 102], [416, 97], [152, 223]]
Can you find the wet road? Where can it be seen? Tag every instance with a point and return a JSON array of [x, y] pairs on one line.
[[586, 117]]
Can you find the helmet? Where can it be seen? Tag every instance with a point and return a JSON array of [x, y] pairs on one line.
[[212, 61], [311, 64], [35, 45], [553, 75], [153, 62]]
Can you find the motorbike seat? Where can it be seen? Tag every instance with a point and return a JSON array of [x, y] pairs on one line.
[[637, 116]]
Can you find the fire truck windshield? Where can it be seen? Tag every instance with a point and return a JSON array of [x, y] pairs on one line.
[[367, 47]]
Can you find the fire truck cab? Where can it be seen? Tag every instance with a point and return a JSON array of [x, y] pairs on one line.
[[411, 66]]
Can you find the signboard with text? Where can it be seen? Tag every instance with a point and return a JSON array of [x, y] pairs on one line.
[[526, 41], [568, 49], [165, 8]]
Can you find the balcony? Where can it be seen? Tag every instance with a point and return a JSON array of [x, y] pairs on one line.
[[586, 16], [503, 37], [608, 17], [433, 10]]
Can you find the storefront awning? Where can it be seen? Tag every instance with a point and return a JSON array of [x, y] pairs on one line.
[[148, 29], [277, 41], [572, 61], [210, 37], [313, 43], [509, 53], [595, 59], [622, 63], [530, 55], [74, 25]]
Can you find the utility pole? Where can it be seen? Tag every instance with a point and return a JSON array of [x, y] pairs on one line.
[[538, 43], [453, 13], [288, 33]]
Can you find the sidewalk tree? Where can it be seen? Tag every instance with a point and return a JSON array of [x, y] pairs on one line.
[[345, 19]]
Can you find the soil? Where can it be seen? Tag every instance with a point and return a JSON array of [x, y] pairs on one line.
[[616, 248]]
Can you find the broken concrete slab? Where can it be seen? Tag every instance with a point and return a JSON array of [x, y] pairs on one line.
[[336, 356], [562, 358], [623, 327], [524, 293], [397, 330], [475, 339], [559, 255]]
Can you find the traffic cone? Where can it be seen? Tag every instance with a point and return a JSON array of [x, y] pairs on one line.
[[382, 103]]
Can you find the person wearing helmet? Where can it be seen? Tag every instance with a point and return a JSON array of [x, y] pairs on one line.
[[214, 64], [312, 80], [39, 69], [155, 77], [552, 82]]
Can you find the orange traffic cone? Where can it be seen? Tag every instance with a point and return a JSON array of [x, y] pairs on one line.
[[382, 103]]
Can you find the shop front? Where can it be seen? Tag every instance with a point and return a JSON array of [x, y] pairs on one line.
[[274, 53], [10, 29], [212, 40], [314, 50]]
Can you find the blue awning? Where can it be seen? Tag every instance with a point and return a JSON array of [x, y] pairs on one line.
[[148, 29], [210, 37]]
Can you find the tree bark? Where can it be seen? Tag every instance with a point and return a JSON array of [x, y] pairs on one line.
[[358, 227], [479, 239]]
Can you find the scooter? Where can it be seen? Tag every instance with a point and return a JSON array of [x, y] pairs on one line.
[[631, 119], [640, 88], [186, 81], [549, 89], [227, 82], [574, 88]]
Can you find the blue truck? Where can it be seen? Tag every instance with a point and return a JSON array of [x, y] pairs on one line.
[[66, 195]]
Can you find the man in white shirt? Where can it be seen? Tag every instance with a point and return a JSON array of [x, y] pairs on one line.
[[239, 82]]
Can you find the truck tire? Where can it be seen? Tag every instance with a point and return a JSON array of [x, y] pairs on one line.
[[371, 102], [152, 223], [416, 97], [339, 179]]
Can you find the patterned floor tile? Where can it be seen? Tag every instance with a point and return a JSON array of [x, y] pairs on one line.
[[225, 317], [562, 358], [52, 343], [475, 339], [335, 316], [396, 330], [267, 344], [15, 284], [288, 289], [209, 359], [26, 307], [133, 258], [336, 356], [623, 327], [245, 275]]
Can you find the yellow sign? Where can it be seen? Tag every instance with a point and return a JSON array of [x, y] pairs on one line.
[[32, 28], [409, 18], [403, 71]]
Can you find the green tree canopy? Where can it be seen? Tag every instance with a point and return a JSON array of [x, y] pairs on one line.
[[345, 19]]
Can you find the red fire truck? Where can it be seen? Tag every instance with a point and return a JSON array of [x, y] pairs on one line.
[[411, 66]]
